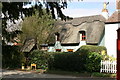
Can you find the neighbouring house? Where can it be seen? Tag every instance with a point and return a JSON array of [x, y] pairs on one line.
[[97, 30], [111, 26]]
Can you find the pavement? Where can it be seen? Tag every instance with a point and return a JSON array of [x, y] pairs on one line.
[[16, 74]]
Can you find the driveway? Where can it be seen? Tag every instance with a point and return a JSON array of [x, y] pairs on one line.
[[15, 74]]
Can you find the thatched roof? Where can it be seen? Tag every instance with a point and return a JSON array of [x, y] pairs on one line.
[[28, 45], [114, 18], [69, 30]]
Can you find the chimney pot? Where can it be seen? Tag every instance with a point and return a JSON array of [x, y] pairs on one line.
[[117, 4]]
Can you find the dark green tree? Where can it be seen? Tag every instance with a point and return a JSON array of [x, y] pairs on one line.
[[14, 10]]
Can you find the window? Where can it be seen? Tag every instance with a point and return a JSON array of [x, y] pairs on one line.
[[58, 50], [70, 50], [44, 48], [82, 36], [57, 35]]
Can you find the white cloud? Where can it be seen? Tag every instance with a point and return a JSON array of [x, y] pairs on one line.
[[81, 12]]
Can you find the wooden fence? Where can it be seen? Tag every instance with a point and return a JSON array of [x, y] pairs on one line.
[[108, 66]]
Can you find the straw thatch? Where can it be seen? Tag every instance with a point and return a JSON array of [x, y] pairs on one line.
[[28, 45], [92, 25]]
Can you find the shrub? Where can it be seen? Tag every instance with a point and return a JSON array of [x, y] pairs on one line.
[[63, 61], [40, 58], [93, 62], [85, 59], [11, 57], [90, 48]]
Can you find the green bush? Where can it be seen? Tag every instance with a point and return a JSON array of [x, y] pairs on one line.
[[85, 59], [40, 58], [75, 62], [93, 62], [90, 48], [11, 57], [63, 61]]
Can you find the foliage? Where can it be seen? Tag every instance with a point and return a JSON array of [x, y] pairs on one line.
[[75, 62], [37, 27], [90, 48], [98, 49], [39, 58], [11, 57], [14, 10], [93, 62], [97, 74], [68, 61]]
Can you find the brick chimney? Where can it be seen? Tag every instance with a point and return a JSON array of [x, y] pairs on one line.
[[118, 4]]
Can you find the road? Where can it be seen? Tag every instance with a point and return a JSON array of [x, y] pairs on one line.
[[15, 74]]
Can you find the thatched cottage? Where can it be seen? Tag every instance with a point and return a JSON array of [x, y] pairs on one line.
[[77, 32], [88, 30], [97, 30]]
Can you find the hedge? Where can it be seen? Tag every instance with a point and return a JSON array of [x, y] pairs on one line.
[[87, 58], [91, 48], [89, 62]]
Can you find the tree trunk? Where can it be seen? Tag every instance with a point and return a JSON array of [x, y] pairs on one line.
[[37, 43]]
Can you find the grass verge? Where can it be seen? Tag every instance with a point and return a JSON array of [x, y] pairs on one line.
[[96, 74]]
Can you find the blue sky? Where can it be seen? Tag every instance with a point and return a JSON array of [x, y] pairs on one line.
[[78, 9], [87, 7]]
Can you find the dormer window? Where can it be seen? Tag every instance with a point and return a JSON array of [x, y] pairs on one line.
[[82, 35], [57, 36]]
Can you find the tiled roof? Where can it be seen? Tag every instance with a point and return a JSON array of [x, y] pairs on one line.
[[115, 17]]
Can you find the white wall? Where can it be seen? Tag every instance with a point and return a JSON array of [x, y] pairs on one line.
[[75, 48], [64, 48], [110, 39]]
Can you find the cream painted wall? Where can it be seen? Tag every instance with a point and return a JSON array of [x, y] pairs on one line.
[[110, 39]]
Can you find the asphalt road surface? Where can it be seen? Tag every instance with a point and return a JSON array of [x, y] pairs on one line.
[[22, 75]]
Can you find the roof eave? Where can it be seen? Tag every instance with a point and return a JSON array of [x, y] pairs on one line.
[[112, 22]]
